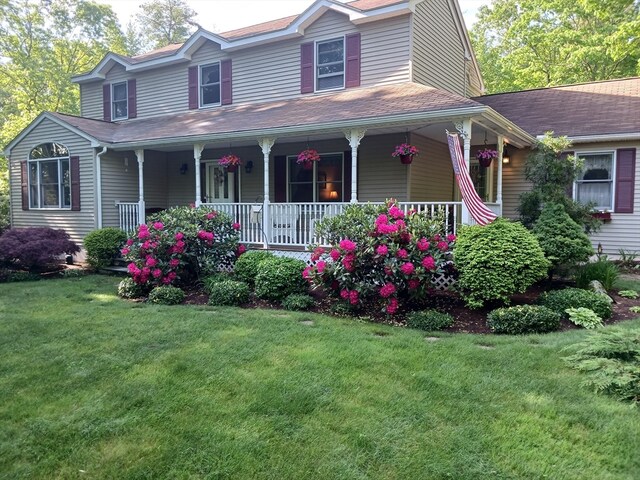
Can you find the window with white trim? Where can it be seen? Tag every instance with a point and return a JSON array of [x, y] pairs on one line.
[[119, 106], [210, 84], [595, 184], [49, 176], [322, 183], [330, 64]]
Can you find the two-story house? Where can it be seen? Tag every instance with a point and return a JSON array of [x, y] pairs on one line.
[[350, 80]]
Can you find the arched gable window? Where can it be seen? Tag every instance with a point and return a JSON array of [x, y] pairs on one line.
[[49, 174]]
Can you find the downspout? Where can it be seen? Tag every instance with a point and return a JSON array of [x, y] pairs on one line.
[[8, 157], [99, 186]]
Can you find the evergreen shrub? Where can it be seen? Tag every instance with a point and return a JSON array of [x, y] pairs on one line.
[[246, 267], [560, 300], [103, 245], [279, 277], [166, 295], [429, 320], [229, 292], [298, 301], [523, 319]]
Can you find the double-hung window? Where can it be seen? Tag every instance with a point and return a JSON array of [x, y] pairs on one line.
[[595, 184], [210, 84], [323, 182], [330, 64], [49, 177], [119, 105]]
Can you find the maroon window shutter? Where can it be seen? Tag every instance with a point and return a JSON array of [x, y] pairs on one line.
[[132, 99], [193, 88], [106, 102], [306, 67], [280, 178], [226, 94], [352, 77], [74, 167], [625, 180], [24, 180], [346, 179]]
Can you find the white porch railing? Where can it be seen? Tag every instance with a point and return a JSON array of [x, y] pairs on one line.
[[248, 215], [129, 216], [494, 207]]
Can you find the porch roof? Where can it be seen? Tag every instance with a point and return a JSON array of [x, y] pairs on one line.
[[379, 106]]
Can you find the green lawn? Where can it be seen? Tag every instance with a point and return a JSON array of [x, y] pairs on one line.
[[95, 387]]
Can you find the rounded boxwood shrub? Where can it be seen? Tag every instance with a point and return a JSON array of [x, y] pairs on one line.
[[210, 280], [246, 267], [496, 261], [102, 245], [127, 288], [560, 300], [279, 277], [523, 319], [166, 295], [298, 301], [228, 292], [429, 320]]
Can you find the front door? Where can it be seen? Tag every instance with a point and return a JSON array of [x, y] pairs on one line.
[[220, 184]]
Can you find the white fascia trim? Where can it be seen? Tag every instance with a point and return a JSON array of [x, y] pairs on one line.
[[37, 121], [609, 137], [295, 30], [464, 36], [403, 119]]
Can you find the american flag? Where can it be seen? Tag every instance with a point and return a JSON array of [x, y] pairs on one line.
[[478, 210]]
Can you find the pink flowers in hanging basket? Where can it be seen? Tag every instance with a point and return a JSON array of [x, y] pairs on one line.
[[230, 160], [405, 149], [307, 156], [486, 156]]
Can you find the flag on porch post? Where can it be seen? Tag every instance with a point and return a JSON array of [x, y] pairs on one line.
[[478, 210]]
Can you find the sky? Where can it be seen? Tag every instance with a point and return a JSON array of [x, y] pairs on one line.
[[223, 15]]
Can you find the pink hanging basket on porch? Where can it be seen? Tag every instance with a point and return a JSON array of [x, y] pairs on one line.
[[406, 159], [232, 168]]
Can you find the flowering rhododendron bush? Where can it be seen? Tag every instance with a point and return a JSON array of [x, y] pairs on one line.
[[394, 259], [181, 244]]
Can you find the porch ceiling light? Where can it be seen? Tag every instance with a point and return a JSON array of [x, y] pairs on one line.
[[505, 155]]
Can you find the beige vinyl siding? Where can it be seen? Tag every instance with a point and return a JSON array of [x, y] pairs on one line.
[[380, 176], [267, 72], [77, 224], [438, 52], [514, 182], [431, 173]]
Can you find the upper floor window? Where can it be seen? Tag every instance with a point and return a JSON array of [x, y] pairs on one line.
[[595, 184], [330, 64], [49, 176], [119, 95], [210, 84]]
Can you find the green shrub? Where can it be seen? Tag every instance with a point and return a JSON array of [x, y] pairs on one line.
[[246, 267], [211, 280], [342, 309], [229, 292], [22, 276], [298, 301], [279, 277], [611, 359], [603, 270], [127, 288], [635, 309], [73, 273], [102, 245], [429, 320], [632, 294], [563, 241], [584, 317], [166, 295], [560, 300], [496, 261], [523, 319]]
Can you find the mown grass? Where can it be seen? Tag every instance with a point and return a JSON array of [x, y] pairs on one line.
[[92, 386]]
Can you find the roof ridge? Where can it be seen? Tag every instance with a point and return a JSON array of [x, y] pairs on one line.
[[595, 82]]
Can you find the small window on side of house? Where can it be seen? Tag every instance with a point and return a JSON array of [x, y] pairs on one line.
[[119, 105], [595, 184], [210, 85], [330, 64]]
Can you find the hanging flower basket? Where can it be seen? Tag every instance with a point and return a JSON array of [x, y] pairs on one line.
[[486, 156], [405, 152], [307, 157], [230, 162]]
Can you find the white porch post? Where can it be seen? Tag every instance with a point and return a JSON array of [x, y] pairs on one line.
[[499, 186], [465, 132], [197, 154], [265, 145], [354, 137], [141, 206]]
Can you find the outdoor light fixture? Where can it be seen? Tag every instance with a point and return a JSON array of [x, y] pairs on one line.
[[183, 169], [249, 166], [126, 164], [505, 154]]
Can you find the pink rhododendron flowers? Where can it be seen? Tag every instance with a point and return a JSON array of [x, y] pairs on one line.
[[212, 215], [451, 238], [396, 213], [334, 254], [387, 290], [306, 273], [347, 245], [382, 219], [157, 273], [125, 251], [241, 249], [382, 250], [392, 307], [387, 228], [413, 283], [402, 253], [174, 262], [348, 262], [354, 297], [179, 236], [151, 262], [423, 244], [317, 253], [442, 246], [320, 266], [206, 236], [429, 263], [344, 293], [158, 225], [407, 268], [143, 234], [236, 226]]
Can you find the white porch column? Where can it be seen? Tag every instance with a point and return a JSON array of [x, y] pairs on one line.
[[499, 186], [354, 137], [265, 145], [465, 132], [197, 154], [141, 206]]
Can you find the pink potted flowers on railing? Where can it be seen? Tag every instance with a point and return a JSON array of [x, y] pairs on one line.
[[307, 157], [405, 152], [230, 162], [486, 156]]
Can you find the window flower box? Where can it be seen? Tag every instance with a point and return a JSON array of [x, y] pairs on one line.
[[603, 216]]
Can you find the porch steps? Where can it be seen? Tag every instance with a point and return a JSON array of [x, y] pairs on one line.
[[118, 267]]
